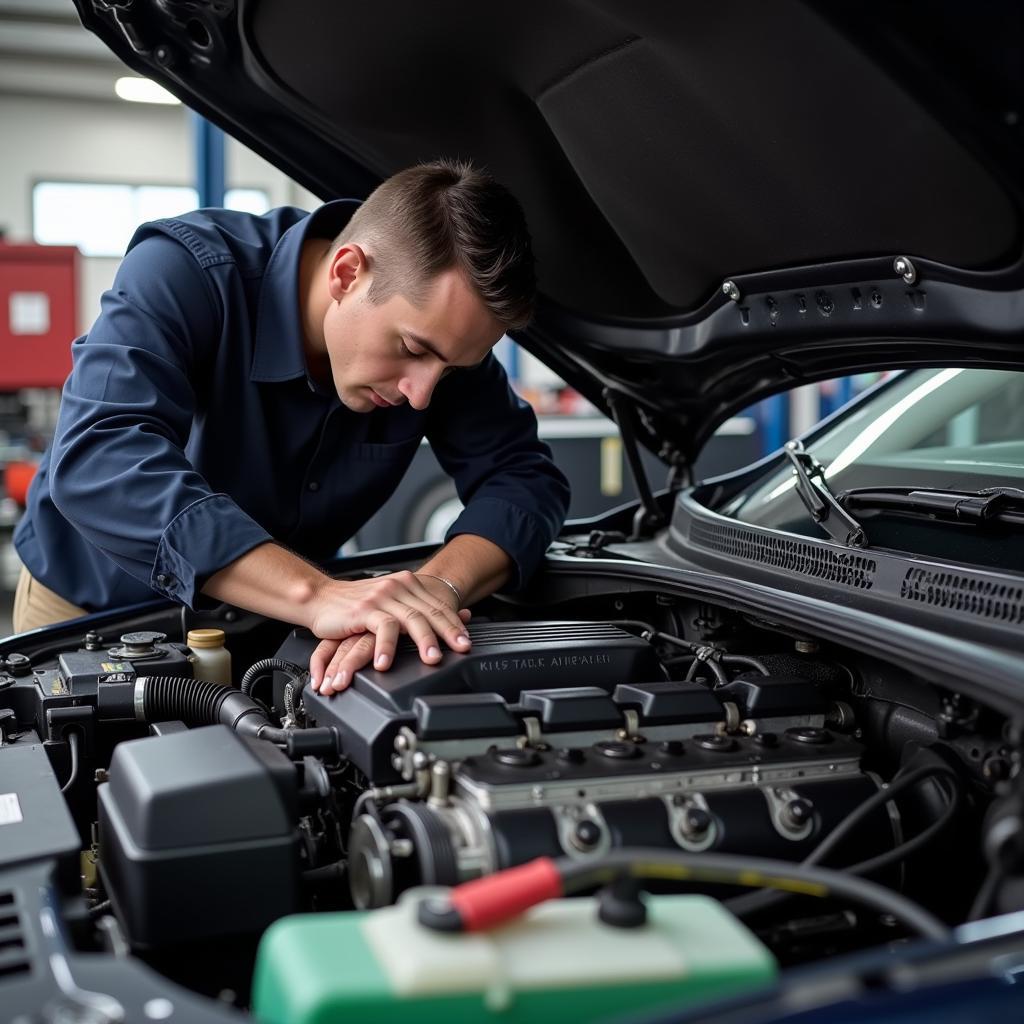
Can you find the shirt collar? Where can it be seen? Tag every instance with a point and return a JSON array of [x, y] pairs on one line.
[[278, 354]]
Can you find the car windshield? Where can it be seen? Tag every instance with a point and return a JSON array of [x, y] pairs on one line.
[[957, 429]]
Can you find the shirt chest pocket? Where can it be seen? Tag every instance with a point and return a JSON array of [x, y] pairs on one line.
[[387, 453]]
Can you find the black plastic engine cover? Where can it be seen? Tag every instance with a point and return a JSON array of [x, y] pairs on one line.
[[197, 836], [506, 660]]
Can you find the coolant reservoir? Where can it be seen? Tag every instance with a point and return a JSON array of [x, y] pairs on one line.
[[556, 962], [211, 660]]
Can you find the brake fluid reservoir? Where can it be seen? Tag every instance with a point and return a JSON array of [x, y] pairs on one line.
[[556, 962], [211, 660]]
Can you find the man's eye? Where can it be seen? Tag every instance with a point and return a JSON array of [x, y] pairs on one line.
[[405, 350]]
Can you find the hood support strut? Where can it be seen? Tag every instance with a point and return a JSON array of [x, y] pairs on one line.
[[648, 516]]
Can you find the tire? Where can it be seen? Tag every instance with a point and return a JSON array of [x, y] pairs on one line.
[[432, 512]]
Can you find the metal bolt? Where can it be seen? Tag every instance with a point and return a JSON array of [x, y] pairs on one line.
[[440, 783], [101, 775], [401, 742], [695, 822], [903, 266], [401, 848], [797, 813], [586, 835], [731, 290], [806, 647]]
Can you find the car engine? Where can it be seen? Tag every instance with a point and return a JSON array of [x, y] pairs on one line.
[[209, 812]]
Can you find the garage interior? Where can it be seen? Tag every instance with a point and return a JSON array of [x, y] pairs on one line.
[[85, 161]]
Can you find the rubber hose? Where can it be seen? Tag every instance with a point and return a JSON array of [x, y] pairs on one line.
[[268, 665], [200, 702]]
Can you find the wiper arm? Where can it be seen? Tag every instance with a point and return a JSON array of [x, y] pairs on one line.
[[822, 504], [989, 505]]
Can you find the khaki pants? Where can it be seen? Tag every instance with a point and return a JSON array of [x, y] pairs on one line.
[[36, 605]]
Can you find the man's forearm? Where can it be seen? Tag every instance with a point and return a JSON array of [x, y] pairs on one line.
[[272, 581], [475, 565]]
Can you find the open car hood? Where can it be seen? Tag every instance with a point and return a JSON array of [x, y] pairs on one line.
[[726, 198]]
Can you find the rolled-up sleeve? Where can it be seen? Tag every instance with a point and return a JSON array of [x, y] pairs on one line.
[[485, 438], [119, 473]]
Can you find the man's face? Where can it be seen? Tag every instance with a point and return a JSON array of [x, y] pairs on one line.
[[396, 352]]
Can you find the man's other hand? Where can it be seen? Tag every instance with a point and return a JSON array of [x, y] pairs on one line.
[[361, 621]]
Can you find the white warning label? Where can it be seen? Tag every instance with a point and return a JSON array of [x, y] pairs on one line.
[[10, 809]]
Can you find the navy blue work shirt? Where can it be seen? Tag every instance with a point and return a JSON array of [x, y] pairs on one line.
[[190, 430]]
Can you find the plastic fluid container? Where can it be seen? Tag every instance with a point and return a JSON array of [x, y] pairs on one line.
[[211, 660], [557, 962]]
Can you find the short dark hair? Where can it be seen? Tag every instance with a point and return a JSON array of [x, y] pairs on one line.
[[443, 214]]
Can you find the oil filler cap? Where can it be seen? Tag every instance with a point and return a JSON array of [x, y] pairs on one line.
[[138, 645]]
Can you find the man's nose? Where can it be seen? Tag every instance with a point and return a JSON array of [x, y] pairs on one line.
[[418, 386]]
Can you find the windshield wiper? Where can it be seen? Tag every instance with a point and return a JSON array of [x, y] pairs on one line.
[[979, 508], [822, 504]]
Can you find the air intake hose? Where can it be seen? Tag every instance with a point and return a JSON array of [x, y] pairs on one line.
[[197, 702], [193, 701]]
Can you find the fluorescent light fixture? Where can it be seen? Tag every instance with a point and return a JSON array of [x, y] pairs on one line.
[[142, 90]]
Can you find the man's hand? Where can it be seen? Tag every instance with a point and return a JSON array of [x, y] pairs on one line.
[[362, 621]]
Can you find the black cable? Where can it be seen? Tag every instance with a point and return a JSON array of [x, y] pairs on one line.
[[627, 624], [909, 846], [72, 738], [979, 908], [754, 872], [752, 902], [266, 668], [668, 638], [721, 677], [899, 785], [99, 909]]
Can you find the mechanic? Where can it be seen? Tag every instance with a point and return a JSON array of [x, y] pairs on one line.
[[253, 391]]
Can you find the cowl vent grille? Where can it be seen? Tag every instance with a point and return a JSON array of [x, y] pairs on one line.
[[958, 592], [848, 569], [13, 954]]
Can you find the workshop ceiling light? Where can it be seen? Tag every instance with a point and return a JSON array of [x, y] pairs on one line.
[[142, 90]]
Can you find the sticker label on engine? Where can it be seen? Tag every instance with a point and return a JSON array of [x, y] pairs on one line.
[[115, 666], [118, 677], [10, 809]]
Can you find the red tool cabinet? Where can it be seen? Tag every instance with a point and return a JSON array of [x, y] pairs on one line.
[[38, 314]]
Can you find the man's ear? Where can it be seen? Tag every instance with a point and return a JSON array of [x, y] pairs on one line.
[[348, 268]]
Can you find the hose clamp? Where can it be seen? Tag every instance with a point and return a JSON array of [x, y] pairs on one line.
[[139, 700]]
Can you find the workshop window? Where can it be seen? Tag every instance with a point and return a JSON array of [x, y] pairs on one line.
[[101, 218]]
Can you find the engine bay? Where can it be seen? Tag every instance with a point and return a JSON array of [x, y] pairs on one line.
[[202, 814]]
